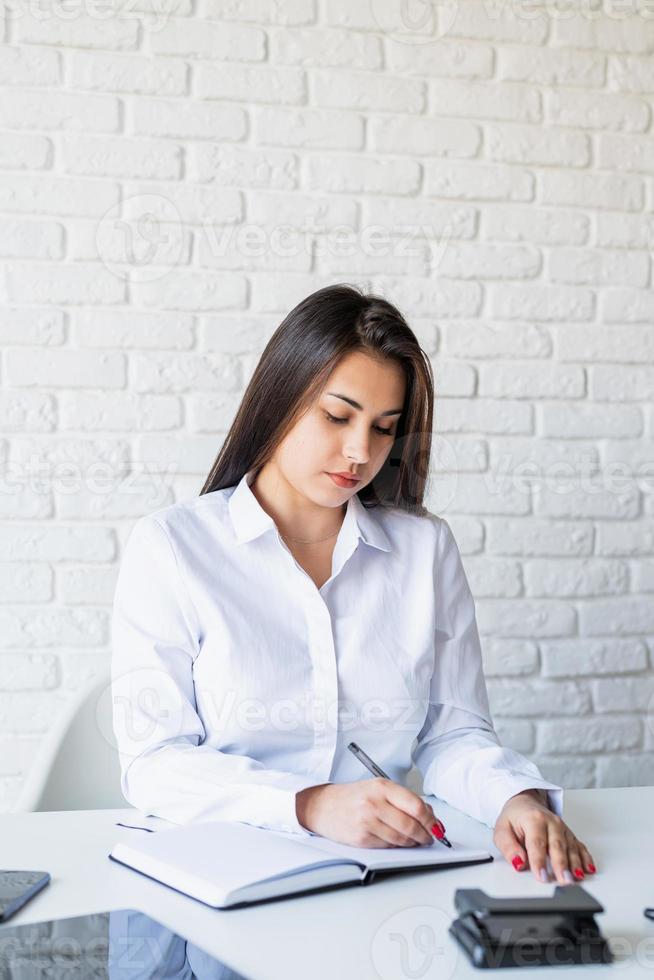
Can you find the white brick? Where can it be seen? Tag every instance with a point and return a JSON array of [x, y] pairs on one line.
[[540, 302], [593, 191], [54, 195], [482, 339], [364, 90], [539, 537], [88, 411], [636, 769], [127, 73], [493, 578], [81, 31], [631, 73], [568, 499], [509, 658], [24, 582], [544, 66], [475, 494], [453, 379], [531, 381], [574, 577], [568, 772], [620, 230], [472, 61], [539, 226], [586, 111], [547, 698], [87, 585], [441, 298], [626, 153], [197, 291], [478, 181], [288, 12], [617, 345], [484, 415], [547, 147], [194, 205], [591, 421], [479, 100], [480, 21], [132, 328], [361, 175], [623, 693], [590, 735], [101, 157], [124, 246], [212, 412], [310, 128], [578, 657], [44, 626], [319, 48], [642, 573], [627, 306], [230, 166], [286, 86], [305, 212], [481, 261], [192, 454], [525, 460], [468, 532], [29, 66], [614, 383], [183, 372], [26, 411], [251, 249], [69, 458], [115, 500], [409, 218], [188, 120], [43, 542], [63, 283], [25, 151], [597, 267], [67, 368], [59, 110], [33, 327], [609, 33], [28, 671], [195, 38], [422, 136], [28, 713], [31, 239], [518, 735], [625, 538]]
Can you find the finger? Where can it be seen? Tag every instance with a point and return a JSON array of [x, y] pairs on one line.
[[574, 860], [405, 825], [587, 859], [536, 844], [411, 803], [391, 836], [558, 848], [507, 841], [374, 840]]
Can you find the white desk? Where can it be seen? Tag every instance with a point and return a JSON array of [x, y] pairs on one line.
[[355, 932]]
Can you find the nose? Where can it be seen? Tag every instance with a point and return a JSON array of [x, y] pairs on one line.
[[356, 449]]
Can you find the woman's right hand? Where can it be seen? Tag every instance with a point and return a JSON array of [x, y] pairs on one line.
[[370, 813]]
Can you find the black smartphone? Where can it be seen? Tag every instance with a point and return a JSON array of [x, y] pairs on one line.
[[17, 887]]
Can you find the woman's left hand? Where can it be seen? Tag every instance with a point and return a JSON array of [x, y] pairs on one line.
[[526, 831]]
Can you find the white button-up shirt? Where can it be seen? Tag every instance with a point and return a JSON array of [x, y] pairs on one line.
[[237, 682]]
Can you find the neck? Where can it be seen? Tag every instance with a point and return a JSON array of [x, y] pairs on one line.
[[293, 513]]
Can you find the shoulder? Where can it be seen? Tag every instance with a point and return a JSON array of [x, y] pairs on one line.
[[417, 532], [194, 518]]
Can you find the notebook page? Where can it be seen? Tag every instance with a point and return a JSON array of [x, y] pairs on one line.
[[392, 857], [230, 855]]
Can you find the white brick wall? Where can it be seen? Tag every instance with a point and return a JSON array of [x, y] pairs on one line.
[[494, 179]]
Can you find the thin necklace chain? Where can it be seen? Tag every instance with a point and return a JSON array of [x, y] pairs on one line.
[[310, 541]]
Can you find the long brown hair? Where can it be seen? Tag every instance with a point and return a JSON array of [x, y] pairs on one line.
[[295, 366]]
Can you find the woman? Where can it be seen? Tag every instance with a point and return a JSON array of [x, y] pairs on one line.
[[288, 610]]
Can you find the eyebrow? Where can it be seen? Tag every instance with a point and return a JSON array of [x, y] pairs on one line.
[[351, 401]]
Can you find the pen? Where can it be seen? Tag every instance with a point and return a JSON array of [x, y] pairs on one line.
[[377, 771]]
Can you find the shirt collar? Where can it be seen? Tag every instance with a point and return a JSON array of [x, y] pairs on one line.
[[250, 520]]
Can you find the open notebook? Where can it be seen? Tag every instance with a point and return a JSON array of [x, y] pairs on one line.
[[226, 864]]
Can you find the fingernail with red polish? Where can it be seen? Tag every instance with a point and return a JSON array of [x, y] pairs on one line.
[[517, 862], [592, 868], [579, 873], [438, 831]]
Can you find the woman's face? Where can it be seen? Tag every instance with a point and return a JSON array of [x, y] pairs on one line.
[[334, 436]]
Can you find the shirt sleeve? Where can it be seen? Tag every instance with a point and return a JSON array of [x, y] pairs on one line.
[[166, 770], [458, 751]]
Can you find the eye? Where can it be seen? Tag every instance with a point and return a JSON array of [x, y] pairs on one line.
[[340, 421]]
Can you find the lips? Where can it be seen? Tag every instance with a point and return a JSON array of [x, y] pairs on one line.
[[343, 481]]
